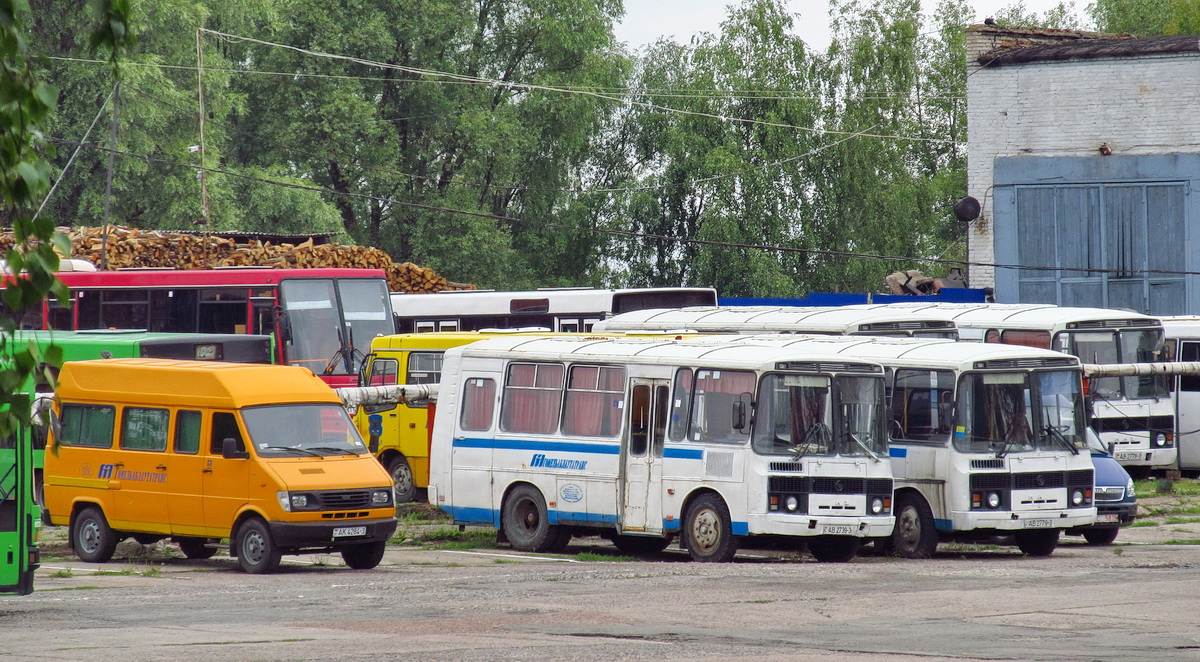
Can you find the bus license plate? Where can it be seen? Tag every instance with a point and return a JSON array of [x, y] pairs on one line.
[[1113, 517], [1038, 523], [837, 530], [1127, 456], [349, 531]]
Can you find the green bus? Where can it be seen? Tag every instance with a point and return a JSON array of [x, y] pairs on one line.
[[18, 516]]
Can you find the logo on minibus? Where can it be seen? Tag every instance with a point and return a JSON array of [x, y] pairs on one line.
[[109, 471], [540, 461]]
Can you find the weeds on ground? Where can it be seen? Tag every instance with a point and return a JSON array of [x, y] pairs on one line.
[[65, 573]]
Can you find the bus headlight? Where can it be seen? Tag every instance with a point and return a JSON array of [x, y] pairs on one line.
[[381, 497], [792, 504], [877, 506], [292, 502], [993, 500], [1077, 498], [1160, 440]]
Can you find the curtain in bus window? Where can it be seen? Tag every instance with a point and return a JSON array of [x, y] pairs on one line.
[[532, 398], [1040, 339], [479, 399], [314, 338], [713, 405], [994, 413], [681, 404], [922, 405], [187, 432], [87, 425], [594, 401], [144, 429]]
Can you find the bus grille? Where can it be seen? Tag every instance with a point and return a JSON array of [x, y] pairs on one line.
[[1110, 493], [839, 486], [1164, 424], [990, 481], [1038, 479], [1079, 478], [344, 499], [1018, 364], [786, 466]]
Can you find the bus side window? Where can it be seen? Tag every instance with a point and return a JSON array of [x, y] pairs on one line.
[[479, 403], [144, 429], [87, 425], [1189, 351], [681, 405], [532, 398], [922, 404], [383, 372], [224, 426], [187, 432]]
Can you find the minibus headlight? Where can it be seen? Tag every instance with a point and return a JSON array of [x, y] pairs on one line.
[[792, 504], [993, 500], [1077, 498], [381, 497], [299, 501], [876, 506]]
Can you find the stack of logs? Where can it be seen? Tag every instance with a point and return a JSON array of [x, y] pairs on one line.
[[134, 248]]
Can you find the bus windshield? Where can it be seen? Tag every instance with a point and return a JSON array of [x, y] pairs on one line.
[[1129, 346], [331, 323], [796, 416], [366, 305], [994, 412], [302, 430]]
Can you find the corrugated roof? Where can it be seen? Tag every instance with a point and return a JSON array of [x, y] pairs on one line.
[[1083, 49]]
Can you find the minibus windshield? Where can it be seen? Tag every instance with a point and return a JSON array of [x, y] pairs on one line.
[[302, 430]]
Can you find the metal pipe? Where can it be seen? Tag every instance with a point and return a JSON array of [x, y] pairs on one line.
[[1141, 369], [361, 396]]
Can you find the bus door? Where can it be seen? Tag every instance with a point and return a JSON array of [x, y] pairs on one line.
[[1187, 414], [643, 453]]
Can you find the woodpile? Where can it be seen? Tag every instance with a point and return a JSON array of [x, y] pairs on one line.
[[134, 248]]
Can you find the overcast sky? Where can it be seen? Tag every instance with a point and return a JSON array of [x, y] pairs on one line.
[[647, 20]]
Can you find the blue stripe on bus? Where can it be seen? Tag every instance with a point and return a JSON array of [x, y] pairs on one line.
[[943, 525], [684, 453], [556, 516], [531, 445], [484, 516], [671, 525], [740, 528], [897, 452]]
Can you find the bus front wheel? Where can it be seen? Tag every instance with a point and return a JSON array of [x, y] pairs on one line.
[[94, 540], [1039, 542], [709, 530], [914, 536], [257, 552], [526, 522], [402, 475]]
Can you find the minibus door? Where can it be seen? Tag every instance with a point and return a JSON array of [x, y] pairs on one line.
[[226, 481], [643, 455]]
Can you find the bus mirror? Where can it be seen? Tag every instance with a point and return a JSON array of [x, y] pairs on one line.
[[283, 325], [230, 451], [739, 415]]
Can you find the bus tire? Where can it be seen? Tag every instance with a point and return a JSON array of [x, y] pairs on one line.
[[834, 549], [914, 536], [402, 475], [196, 548], [526, 522], [257, 552], [709, 530], [1101, 536], [93, 539], [1039, 542], [365, 556], [640, 544]]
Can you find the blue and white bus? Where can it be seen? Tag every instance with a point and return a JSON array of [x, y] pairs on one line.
[[645, 440]]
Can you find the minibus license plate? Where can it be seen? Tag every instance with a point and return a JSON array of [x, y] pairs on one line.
[[1111, 517], [1127, 456], [837, 530], [1038, 523], [348, 531]]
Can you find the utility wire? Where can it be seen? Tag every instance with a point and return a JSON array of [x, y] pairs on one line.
[[629, 233]]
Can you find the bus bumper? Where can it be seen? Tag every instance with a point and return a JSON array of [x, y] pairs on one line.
[[320, 534], [812, 525], [1021, 521]]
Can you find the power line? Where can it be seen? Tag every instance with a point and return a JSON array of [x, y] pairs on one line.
[[632, 234]]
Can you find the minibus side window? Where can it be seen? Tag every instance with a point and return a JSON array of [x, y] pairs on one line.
[[87, 425], [479, 401], [187, 432], [144, 429], [224, 426]]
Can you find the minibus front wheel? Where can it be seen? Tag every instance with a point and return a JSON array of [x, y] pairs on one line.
[[364, 556], [257, 553]]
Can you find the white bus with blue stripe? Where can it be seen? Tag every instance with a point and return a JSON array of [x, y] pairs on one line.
[[874, 320], [645, 440]]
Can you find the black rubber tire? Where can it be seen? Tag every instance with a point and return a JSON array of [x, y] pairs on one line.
[[1039, 542], [365, 556], [94, 541], [834, 549], [256, 551], [526, 523], [196, 548], [709, 530], [1101, 536], [146, 538], [402, 475], [641, 544], [914, 536]]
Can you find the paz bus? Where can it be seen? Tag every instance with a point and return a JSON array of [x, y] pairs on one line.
[[1134, 415], [551, 309], [838, 320], [641, 439], [322, 319], [1183, 344]]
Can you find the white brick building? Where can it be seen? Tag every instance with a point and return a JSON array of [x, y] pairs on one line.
[[1084, 150]]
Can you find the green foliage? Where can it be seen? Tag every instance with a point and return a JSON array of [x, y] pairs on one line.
[[1147, 17]]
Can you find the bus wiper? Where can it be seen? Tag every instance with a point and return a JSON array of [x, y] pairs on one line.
[[294, 449], [331, 449], [816, 429], [1054, 434], [1004, 444], [864, 446]]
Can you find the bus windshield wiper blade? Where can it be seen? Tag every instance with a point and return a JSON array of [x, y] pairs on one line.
[[290, 448], [1054, 434], [864, 447], [331, 449]]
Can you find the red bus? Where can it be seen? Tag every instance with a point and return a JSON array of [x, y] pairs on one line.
[[323, 319]]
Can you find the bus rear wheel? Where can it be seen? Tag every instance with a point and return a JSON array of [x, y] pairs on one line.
[[196, 548], [93, 539], [914, 536], [402, 475], [709, 530], [526, 523], [834, 549], [1040, 542]]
